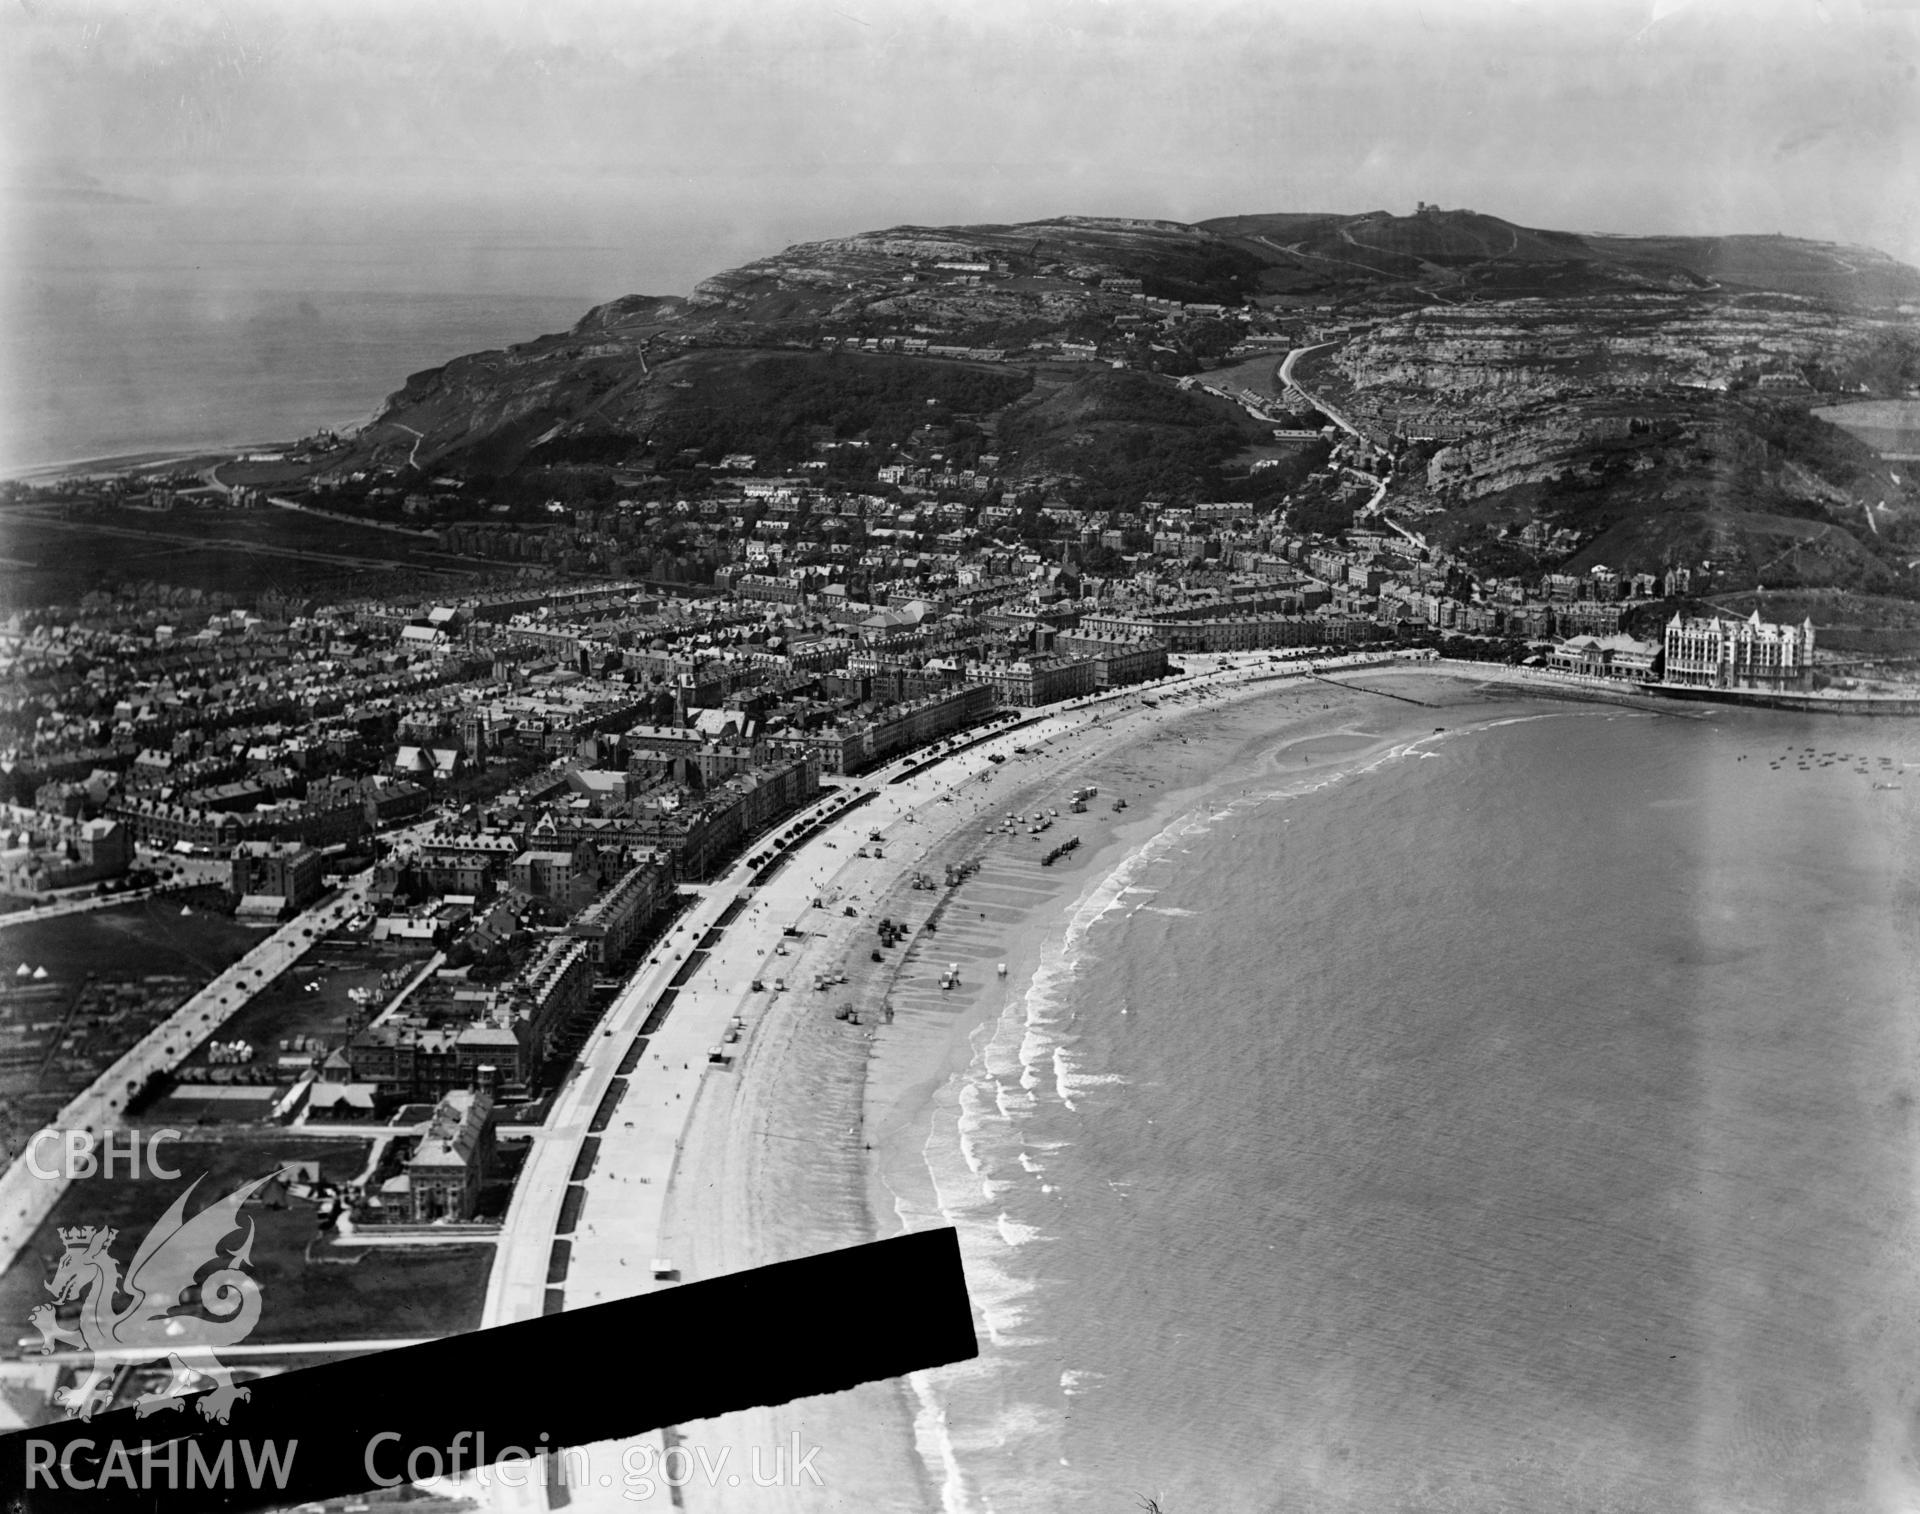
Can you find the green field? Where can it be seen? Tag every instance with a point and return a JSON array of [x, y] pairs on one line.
[[130, 941], [57, 556], [309, 1292], [284, 1009]]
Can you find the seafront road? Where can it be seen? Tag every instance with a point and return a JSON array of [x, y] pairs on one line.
[[616, 1236], [516, 1289]]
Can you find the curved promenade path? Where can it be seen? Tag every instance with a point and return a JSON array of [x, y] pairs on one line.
[[615, 1231]]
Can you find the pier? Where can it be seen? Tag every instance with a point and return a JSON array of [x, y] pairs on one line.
[[1360, 688]]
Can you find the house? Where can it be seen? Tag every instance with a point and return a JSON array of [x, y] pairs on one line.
[[341, 1101], [452, 1161], [285, 874]]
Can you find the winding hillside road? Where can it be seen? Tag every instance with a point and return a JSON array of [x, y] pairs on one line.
[[1284, 374]]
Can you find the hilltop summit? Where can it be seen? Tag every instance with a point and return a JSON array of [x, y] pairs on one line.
[[1634, 396]]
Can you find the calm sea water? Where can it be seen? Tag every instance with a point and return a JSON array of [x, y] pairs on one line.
[[107, 371], [171, 323], [1524, 1121]]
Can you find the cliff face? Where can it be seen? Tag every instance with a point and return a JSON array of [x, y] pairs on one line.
[[1493, 359], [1537, 449], [1640, 484], [1640, 430]]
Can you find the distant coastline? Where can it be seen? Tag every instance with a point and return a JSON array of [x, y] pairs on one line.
[[135, 462], [161, 375]]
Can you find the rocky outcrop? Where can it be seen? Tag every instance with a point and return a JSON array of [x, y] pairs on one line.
[[628, 311], [1543, 448], [1512, 355]]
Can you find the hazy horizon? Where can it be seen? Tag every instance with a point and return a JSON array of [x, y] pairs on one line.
[[228, 154], [747, 126]]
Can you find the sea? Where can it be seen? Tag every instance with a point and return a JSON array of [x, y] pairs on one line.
[[1519, 1116], [172, 367], [138, 326]]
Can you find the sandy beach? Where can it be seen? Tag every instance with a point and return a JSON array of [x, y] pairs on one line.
[[812, 1140]]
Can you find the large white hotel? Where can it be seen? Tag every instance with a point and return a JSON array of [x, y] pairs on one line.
[[1739, 654]]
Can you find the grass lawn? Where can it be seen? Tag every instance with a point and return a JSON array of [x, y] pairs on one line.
[[346, 1292], [284, 1009], [196, 546]]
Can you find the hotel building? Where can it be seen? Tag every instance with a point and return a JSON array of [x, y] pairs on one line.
[[1738, 654]]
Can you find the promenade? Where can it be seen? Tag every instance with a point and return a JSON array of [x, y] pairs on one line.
[[623, 1185], [676, 1061]]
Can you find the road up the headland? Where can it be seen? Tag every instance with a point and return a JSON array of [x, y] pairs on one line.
[[1284, 375]]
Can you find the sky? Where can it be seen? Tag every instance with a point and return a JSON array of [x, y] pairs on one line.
[[583, 147], [226, 220]]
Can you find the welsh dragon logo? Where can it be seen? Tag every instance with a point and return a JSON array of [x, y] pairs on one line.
[[158, 1319]]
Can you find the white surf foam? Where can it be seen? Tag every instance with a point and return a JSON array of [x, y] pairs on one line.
[[934, 1441]]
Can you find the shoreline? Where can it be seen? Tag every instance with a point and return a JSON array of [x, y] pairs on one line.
[[915, 817], [923, 1081], [831, 1152], [714, 1168]]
